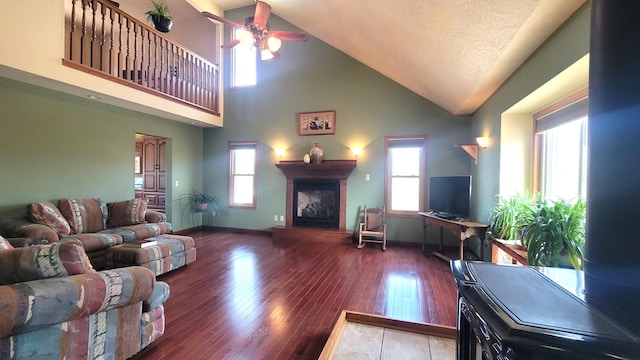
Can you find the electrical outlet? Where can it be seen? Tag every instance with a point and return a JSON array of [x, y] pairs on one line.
[[275, 217], [281, 218], [177, 183]]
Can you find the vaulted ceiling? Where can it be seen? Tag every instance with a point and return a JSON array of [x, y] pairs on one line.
[[455, 53]]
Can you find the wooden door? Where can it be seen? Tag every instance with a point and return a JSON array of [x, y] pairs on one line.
[[154, 166]]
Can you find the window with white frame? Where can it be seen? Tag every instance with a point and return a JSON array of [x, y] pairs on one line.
[[561, 142], [243, 63], [242, 174], [405, 174]]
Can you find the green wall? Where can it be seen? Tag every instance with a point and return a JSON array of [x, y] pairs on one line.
[[566, 46], [54, 145], [313, 76]]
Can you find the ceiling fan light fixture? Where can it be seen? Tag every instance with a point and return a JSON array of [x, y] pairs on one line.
[[273, 43], [266, 54], [245, 37]]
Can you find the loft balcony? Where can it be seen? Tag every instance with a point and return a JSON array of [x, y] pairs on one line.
[[93, 48]]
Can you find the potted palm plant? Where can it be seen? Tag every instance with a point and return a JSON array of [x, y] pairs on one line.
[[557, 232], [160, 16]]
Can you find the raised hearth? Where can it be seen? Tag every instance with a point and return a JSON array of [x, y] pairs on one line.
[[299, 172]]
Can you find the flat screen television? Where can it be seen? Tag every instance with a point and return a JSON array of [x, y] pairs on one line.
[[450, 196]]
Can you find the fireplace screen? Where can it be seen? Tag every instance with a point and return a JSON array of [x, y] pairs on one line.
[[316, 203]]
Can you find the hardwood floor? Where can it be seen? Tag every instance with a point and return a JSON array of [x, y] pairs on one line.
[[249, 297]]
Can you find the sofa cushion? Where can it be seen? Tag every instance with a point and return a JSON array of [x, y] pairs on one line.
[[129, 212], [139, 231], [84, 215], [95, 242], [42, 262], [46, 213]]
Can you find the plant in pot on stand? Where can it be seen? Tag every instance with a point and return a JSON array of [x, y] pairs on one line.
[[160, 16], [510, 215], [209, 205], [556, 235]]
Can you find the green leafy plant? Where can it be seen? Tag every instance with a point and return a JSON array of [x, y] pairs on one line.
[[557, 230], [511, 214], [211, 206], [160, 8]]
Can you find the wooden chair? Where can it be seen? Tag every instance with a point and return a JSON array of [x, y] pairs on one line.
[[373, 229]]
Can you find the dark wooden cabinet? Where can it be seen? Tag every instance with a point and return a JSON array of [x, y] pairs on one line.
[[154, 172]]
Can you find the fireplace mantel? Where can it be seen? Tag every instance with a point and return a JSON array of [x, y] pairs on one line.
[[328, 169]]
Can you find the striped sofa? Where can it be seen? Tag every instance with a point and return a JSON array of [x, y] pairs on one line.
[[54, 305], [96, 224]]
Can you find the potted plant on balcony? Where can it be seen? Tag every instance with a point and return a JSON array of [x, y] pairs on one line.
[[556, 236], [160, 16]]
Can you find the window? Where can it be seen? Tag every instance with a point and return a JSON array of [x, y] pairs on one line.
[[242, 174], [405, 174], [243, 63], [561, 151]]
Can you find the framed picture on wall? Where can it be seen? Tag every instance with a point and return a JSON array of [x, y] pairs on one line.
[[317, 123]]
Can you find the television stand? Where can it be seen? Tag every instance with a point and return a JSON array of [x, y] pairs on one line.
[[462, 229]]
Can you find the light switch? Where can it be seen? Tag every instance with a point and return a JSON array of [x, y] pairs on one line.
[[367, 177]]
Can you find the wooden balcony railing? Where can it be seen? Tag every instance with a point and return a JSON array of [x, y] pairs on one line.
[[107, 42]]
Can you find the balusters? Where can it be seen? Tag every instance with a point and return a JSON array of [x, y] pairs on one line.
[[127, 61], [83, 32], [111, 50], [119, 66], [135, 76], [102, 38], [72, 30], [156, 78]]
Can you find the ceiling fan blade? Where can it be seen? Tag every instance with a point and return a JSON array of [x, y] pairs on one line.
[[221, 19], [231, 44], [290, 36], [263, 10]]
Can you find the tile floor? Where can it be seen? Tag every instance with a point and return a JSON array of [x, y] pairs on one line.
[[361, 341]]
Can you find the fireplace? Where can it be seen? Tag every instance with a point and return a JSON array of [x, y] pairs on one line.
[[315, 200], [316, 203]]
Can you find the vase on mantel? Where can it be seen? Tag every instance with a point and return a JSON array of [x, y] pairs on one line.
[[316, 154]]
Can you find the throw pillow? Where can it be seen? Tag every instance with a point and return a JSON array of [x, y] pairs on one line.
[[4, 244], [131, 212], [84, 215], [46, 213], [43, 261]]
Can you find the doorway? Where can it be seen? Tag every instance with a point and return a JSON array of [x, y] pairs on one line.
[[151, 170]]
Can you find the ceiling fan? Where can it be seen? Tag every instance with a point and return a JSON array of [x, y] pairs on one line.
[[256, 32]]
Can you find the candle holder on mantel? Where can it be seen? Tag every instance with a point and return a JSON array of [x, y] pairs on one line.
[[316, 154]]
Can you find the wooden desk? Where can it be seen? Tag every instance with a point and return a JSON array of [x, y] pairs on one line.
[[462, 229]]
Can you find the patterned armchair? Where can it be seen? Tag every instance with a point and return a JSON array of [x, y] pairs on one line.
[[53, 304]]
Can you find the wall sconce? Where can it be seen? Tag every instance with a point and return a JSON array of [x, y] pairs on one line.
[[280, 152], [483, 141], [356, 151]]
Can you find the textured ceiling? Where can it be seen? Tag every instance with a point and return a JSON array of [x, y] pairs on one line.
[[455, 53]]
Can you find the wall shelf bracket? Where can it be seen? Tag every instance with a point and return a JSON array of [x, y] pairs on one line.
[[472, 150]]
